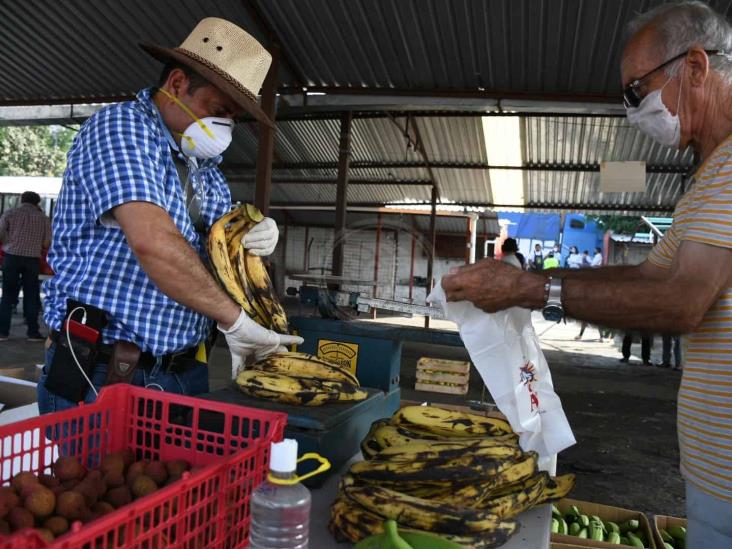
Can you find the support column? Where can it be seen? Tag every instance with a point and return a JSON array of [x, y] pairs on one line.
[[284, 255], [344, 157], [467, 240], [473, 228], [431, 257], [265, 146], [411, 266], [377, 250]]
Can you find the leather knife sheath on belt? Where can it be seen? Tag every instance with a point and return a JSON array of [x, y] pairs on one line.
[[124, 361]]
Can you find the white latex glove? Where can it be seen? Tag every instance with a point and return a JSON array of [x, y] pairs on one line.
[[245, 337], [262, 238]]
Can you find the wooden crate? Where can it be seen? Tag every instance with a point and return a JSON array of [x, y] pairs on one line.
[[438, 375]]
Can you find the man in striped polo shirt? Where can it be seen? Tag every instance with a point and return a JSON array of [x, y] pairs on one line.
[[677, 77]]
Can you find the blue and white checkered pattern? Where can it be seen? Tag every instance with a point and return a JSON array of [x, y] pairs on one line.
[[120, 155]]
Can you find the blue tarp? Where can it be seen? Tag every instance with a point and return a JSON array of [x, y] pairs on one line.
[[534, 226]]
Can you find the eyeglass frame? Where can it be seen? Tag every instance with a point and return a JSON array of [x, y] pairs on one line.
[[632, 89]]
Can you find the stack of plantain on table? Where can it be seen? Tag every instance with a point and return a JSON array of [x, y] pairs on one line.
[[243, 275], [301, 379], [458, 475]]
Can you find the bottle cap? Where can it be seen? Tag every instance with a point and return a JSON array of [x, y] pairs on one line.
[[283, 456]]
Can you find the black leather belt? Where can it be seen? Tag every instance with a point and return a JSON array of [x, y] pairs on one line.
[[176, 363]]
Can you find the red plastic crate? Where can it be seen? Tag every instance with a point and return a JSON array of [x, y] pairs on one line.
[[207, 508]]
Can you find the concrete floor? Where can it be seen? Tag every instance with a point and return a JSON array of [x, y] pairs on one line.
[[623, 415]]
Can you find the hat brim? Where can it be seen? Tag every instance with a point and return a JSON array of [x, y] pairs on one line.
[[218, 78]]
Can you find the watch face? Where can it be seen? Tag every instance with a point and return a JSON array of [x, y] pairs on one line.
[[553, 313]]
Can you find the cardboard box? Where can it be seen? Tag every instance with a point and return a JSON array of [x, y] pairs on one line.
[[663, 522], [605, 512], [16, 392]]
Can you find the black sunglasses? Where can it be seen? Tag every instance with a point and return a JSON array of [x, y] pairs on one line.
[[631, 92]]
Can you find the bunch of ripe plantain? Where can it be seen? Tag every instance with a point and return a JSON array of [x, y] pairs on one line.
[[674, 537], [575, 523], [460, 476], [300, 379], [243, 275], [52, 503]]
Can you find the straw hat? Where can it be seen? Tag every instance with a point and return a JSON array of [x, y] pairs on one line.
[[227, 56]]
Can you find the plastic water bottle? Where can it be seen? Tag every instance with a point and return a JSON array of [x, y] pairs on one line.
[[280, 516]]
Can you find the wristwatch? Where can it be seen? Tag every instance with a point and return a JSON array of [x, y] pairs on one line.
[[553, 310]]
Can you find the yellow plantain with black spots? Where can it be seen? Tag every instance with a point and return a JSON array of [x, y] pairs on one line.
[[556, 488], [513, 504], [242, 275], [495, 447], [424, 514], [303, 365], [297, 390], [449, 422]]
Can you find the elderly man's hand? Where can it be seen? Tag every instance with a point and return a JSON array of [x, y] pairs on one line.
[[494, 286]]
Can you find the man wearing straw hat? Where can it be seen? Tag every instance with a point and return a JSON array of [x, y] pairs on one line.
[[141, 188]]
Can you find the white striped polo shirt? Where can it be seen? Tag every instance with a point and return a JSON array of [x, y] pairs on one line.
[[704, 214]]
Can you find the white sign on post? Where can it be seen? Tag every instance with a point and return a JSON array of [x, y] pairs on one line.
[[623, 177]]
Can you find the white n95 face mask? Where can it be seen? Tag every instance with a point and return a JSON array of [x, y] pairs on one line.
[[207, 137], [652, 118]]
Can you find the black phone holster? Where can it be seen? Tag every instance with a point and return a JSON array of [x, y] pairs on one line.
[[65, 377]]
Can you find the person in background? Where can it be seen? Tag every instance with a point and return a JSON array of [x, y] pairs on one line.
[[586, 263], [24, 232], [537, 259], [668, 342], [551, 262], [646, 346], [509, 248], [522, 260], [597, 258], [585, 259], [574, 260]]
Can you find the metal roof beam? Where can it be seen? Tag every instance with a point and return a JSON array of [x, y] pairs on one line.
[[529, 206], [476, 93], [308, 181], [324, 102], [388, 164], [386, 111], [58, 110], [46, 114]]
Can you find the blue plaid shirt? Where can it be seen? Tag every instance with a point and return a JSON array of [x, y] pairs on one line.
[[122, 154]]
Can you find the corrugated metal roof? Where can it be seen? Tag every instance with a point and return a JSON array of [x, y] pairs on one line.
[[85, 50], [564, 140], [554, 141], [580, 190], [380, 139], [82, 49], [463, 186], [535, 46]]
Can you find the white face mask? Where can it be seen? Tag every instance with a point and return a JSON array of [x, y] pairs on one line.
[[652, 118], [207, 137]]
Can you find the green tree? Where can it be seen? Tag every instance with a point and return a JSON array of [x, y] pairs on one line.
[[618, 224], [34, 150]]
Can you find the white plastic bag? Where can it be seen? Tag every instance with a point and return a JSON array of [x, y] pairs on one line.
[[507, 354]]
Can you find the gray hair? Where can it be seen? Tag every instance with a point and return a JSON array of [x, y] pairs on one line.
[[682, 25]]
